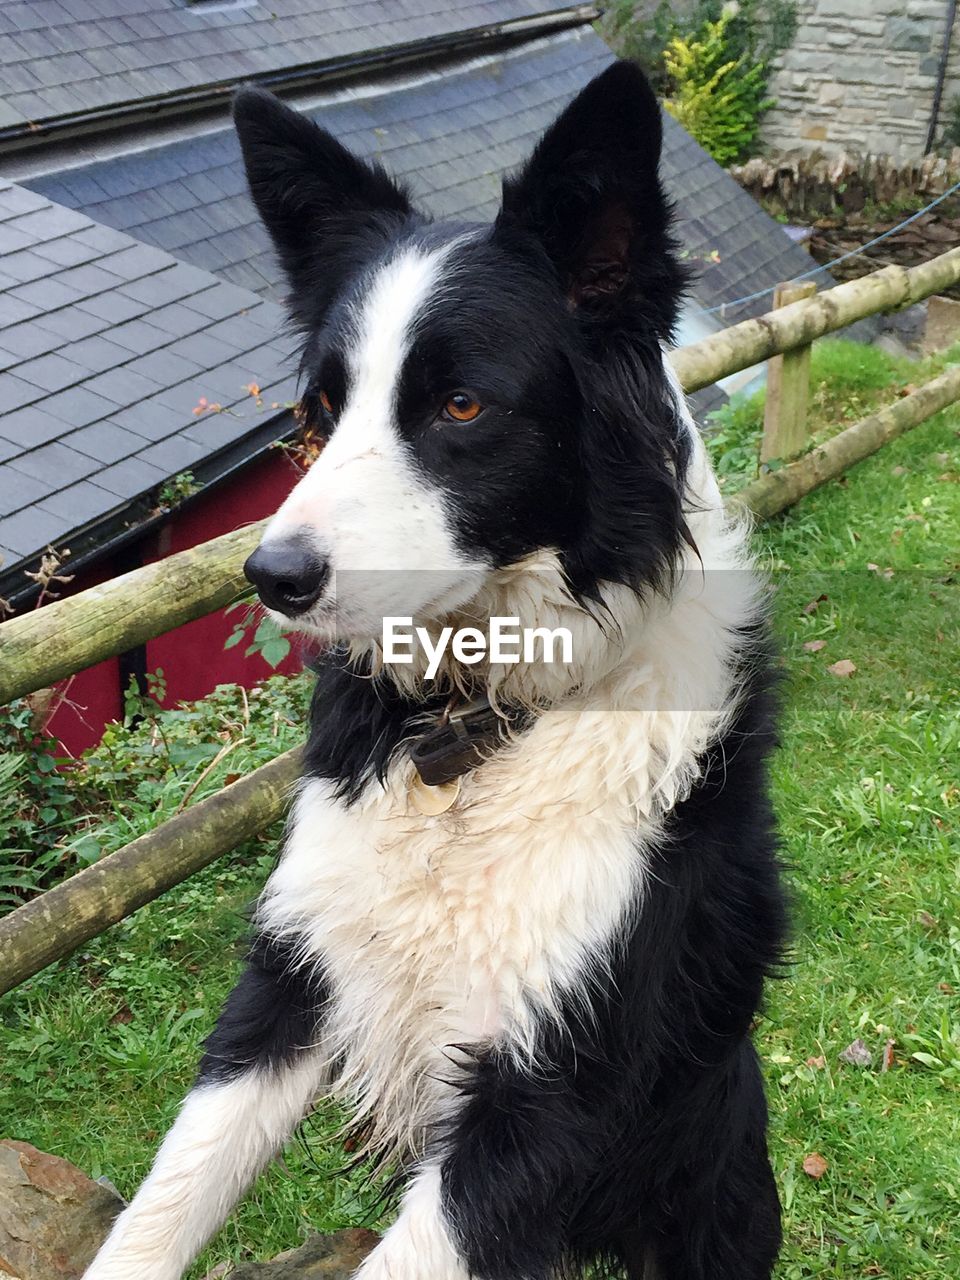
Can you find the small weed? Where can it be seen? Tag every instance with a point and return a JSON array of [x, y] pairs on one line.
[[176, 490]]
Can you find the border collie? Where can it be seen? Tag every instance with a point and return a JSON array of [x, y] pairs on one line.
[[530, 972]]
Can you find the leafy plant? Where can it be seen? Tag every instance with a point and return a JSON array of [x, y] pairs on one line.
[[144, 704], [717, 97], [268, 638], [180, 487], [37, 807]]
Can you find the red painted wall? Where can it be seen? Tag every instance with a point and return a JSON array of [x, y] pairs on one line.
[[193, 658]]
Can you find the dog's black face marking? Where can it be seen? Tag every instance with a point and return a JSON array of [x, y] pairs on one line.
[[552, 320]]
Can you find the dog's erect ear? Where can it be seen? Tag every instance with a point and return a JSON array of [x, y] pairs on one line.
[[591, 195], [304, 183]]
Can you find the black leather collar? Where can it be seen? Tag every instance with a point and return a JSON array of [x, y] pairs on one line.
[[464, 736]]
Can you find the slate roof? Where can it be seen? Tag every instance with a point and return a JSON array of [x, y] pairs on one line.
[[106, 346], [63, 58], [450, 136]]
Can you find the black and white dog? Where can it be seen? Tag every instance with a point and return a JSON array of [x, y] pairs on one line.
[[533, 983]]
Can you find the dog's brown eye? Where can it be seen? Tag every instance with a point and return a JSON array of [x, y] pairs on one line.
[[325, 401], [462, 407]]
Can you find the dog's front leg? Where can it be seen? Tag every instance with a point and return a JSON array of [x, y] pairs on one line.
[[419, 1245], [261, 1071]]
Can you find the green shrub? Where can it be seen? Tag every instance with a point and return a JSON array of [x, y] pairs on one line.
[[717, 98], [754, 33], [37, 808]]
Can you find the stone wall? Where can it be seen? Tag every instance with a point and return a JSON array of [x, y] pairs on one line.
[[860, 75]]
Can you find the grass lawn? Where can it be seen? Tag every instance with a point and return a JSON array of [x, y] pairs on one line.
[[98, 1051]]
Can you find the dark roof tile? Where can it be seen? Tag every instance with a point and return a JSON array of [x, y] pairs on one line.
[[80, 503], [28, 532], [55, 464], [31, 427], [14, 393], [18, 490], [129, 478], [51, 372], [77, 407], [105, 442]]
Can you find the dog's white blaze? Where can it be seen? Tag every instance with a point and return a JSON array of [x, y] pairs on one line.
[[367, 506], [223, 1137]]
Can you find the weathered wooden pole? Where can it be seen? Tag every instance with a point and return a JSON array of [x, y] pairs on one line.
[[62, 919], [69, 635], [779, 489], [788, 388], [799, 324]]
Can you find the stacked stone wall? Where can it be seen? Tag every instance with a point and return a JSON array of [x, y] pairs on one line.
[[860, 75]]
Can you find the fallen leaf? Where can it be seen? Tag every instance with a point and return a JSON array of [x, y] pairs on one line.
[[814, 1165], [813, 605], [856, 1054], [946, 988], [898, 471], [842, 668], [874, 568], [253, 388], [814, 646], [927, 920], [819, 1063], [887, 1063]]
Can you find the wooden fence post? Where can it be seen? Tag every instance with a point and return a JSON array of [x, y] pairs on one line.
[[788, 388]]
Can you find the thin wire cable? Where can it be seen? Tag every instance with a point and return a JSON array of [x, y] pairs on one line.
[[853, 253]]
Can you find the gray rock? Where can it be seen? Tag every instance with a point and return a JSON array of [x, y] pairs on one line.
[[909, 34], [329, 1257], [53, 1218]]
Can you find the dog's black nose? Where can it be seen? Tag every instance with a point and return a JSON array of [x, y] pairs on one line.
[[287, 574]]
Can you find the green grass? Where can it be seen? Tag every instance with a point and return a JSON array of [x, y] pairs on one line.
[[98, 1051]]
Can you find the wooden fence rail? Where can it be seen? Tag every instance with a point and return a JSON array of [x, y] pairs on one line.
[[62, 919], [71, 634], [801, 323]]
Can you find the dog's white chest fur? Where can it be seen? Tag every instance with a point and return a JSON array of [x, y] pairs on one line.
[[441, 932]]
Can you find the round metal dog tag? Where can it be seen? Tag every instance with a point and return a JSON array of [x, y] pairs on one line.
[[433, 800]]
